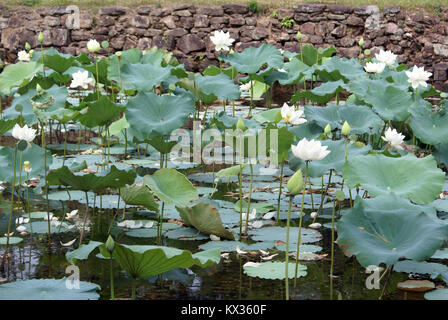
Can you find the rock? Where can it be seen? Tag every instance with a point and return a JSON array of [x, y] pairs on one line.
[[106, 21], [59, 37], [112, 11], [373, 21], [259, 33], [392, 28], [201, 21], [347, 41], [308, 28], [235, 8], [144, 43], [338, 9], [190, 43], [144, 10], [339, 31], [57, 10], [140, 21], [211, 11], [441, 50], [182, 6], [182, 13], [311, 8], [355, 21], [237, 21], [52, 21], [176, 33], [169, 22], [285, 13], [391, 10]]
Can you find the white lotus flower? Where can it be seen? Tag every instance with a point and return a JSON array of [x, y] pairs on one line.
[[257, 224], [282, 70], [386, 57], [394, 138], [310, 150], [246, 86], [21, 229], [313, 214], [23, 133], [290, 115], [148, 225], [269, 215], [11, 234], [375, 67], [23, 56], [93, 46], [418, 77], [81, 79], [71, 214], [315, 225], [269, 257], [50, 215], [222, 40], [214, 238]]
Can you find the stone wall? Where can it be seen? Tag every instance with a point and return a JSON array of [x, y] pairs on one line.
[[416, 37]]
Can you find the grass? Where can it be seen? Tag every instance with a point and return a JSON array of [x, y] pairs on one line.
[[431, 5]]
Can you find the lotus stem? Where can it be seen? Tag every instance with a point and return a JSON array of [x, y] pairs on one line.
[[12, 206], [332, 239], [280, 190], [387, 282], [291, 198], [65, 144], [324, 195], [112, 291], [241, 199], [85, 219], [44, 146], [28, 208], [250, 195]]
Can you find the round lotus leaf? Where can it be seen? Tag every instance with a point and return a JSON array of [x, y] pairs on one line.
[[149, 113], [428, 126], [230, 246], [12, 240], [171, 187], [439, 294], [441, 254], [417, 179], [142, 233], [388, 228], [416, 285], [42, 227], [275, 270], [435, 270], [186, 234], [48, 289], [279, 233]]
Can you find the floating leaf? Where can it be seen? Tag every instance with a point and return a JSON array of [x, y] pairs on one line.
[[275, 270]]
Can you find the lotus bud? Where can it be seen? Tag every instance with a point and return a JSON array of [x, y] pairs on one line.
[[367, 52], [31, 53], [40, 38], [346, 129], [295, 183], [299, 35], [27, 166], [327, 129], [240, 124], [38, 88], [27, 46], [110, 244], [118, 54], [361, 42], [313, 214]]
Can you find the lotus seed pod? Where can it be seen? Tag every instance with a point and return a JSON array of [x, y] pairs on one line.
[[105, 44], [327, 129], [40, 38], [367, 52], [27, 46], [38, 88], [295, 183], [110, 244], [361, 42], [346, 129], [240, 124], [339, 195], [299, 35]]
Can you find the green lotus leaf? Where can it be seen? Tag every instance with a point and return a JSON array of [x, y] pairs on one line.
[[185, 233], [34, 154], [149, 113], [309, 130], [388, 228], [100, 113], [267, 116], [429, 127], [217, 87], [334, 160], [279, 233], [48, 289], [435, 270], [18, 75], [252, 59], [41, 227], [146, 261], [275, 270], [231, 171], [111, 178], [230, 246], [57, 61], [6, 125], [390, 102], [103, 64], [206, 219], [139, 195], [128, 56], [12, 240], [340, 68], [171, 187], [417, 179], [143, 77], [83, 252], [321, 94], [261, 207], [439, 294]]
